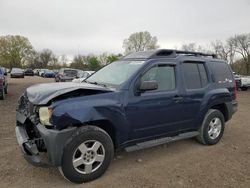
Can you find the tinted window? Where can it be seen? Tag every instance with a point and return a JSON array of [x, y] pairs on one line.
[[70, 72], [221, 72], [203, 74], [164, 75], [195, 75]]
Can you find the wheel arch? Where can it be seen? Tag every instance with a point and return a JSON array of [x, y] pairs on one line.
[[108, 127], [223, 109]]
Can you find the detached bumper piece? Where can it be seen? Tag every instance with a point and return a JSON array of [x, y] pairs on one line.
[[29, 148]]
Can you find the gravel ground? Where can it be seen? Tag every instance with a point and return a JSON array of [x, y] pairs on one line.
[[181, 164]]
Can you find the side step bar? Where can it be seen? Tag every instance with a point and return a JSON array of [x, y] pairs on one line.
[[160, 141]]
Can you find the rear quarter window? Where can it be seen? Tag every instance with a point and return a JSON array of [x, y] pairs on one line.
[[221, 72]]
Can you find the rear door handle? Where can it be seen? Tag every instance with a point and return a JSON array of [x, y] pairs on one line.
[[177, 98]]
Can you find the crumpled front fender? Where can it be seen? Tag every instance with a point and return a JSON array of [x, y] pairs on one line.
[[75, 112]]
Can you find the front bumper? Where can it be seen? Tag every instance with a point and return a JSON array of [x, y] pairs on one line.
[[54, 141]]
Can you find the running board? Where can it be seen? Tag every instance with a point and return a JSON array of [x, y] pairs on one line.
[[160, 141]]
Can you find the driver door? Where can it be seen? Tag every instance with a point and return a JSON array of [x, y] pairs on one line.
[[156, 112]]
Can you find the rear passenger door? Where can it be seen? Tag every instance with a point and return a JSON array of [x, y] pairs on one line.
[[195, 81]]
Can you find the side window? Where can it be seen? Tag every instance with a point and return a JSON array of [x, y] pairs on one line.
[[164, 75], [195, 75], [203, 74]]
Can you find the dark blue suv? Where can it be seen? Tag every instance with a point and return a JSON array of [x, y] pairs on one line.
[[143, 100]]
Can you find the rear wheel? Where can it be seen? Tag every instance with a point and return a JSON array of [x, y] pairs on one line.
[[244, 88], [212, 128], [87, 155]]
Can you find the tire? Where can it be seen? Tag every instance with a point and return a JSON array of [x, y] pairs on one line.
[[244, 88], [2, 94], [80, 147], [212, 128], [6, 90]]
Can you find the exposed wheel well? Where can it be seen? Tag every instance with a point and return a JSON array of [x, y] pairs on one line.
[[108, 127], [223, 109]]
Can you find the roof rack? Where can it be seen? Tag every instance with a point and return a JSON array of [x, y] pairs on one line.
[[179, 52], [165, 53]]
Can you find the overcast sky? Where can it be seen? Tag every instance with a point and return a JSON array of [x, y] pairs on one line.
[[95, 26]]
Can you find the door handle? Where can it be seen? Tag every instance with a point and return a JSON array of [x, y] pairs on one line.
[[177, 98]]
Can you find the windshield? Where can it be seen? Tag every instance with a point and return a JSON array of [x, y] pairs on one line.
[[115, 73]]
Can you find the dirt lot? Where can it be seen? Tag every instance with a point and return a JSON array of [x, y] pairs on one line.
[[180, 164]]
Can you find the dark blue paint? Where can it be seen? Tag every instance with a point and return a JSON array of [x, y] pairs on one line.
[[135, 117]]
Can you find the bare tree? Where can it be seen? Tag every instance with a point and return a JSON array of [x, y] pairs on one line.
[[140, 41], [45, 58], [241, 44], [193, 47]]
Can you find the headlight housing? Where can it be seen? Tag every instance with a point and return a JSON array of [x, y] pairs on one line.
[[45, 114]]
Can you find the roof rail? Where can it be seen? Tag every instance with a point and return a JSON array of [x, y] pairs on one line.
[[165, 53], [179, 52]]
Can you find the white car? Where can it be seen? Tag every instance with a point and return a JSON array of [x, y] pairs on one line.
[[245, 82], [82, 75]]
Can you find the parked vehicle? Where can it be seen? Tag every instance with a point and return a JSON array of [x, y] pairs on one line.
[[3, 83], [242, 82], [17, 73], [66, 75], [237, 81], [36, 72], [48, 74], [29, 72], [82, 75], [143, 100], [41, 72], [245, 83]]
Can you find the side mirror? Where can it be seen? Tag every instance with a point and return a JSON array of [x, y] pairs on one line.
[[148, 85]]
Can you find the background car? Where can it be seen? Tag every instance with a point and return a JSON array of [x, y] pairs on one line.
[[66, 74], [29, 72], [3, 83], [48, 74], [36, 72], [17, 73], [41, 72], [82, 75]]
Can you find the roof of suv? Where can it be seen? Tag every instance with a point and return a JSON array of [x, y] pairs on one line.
[[166, 53]]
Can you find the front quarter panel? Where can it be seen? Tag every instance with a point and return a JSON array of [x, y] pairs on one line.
[[82, 110]]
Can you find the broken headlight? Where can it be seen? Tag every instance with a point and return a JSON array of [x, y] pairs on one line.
[[45, 114]]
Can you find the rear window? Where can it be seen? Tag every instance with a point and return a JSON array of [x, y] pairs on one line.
[[221, 72], [70, 72]]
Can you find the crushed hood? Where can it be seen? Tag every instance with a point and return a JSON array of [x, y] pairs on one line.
[[42, 93]]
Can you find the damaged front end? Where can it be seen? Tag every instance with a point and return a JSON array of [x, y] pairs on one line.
[[46, 120], [41, 146]]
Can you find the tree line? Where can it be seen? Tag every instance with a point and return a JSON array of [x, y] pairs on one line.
[[17, 51], [235, 50]]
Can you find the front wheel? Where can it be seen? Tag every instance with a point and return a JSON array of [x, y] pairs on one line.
[[6, 90], [87, 155], [212, 128]]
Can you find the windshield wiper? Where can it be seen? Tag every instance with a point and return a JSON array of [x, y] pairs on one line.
[[96, 83]]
